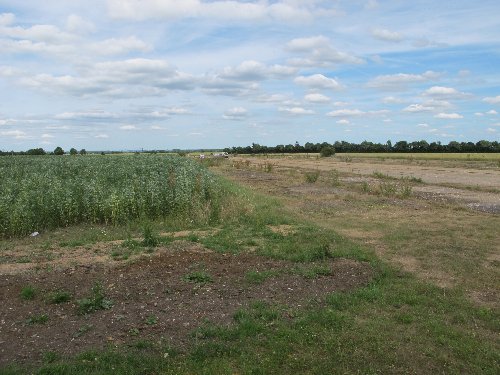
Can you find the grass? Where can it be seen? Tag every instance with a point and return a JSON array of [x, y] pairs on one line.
[[473, 156], [311, 177], [28, 293], [199, 277], [96, 301], [58, 296], [407, 320], [37, 319]]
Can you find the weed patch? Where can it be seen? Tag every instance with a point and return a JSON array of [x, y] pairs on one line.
[[96, 301]]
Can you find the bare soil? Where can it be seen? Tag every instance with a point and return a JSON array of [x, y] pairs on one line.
[[476, 188], [152, 299]]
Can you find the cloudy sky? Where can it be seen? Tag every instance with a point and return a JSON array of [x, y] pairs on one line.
[[163, 74]]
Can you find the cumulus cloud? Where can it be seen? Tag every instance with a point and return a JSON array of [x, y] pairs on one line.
[[343, 122], [7, 19], [296, 111], [492, 112], [318, 81], [414, 108], [317, 51], [101, 136], [255, 71], [345, 112], [444, 92], [401, 80], [78, 25], [492, 99], [316, 98], [236, 113], [392, 100], [450, 116], [386, 35]]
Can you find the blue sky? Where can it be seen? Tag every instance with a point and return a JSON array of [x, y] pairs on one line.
[[164, 74]]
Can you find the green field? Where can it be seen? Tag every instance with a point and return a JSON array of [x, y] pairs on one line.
[[423, 319], [47, 192]]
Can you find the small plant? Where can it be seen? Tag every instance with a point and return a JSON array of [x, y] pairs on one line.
[[200, 277], [365, 187], [334, 177], [37, 319], [96, 301], [58, 296], [28, 293], [150, 239], [312, 177], [133, 332], [268, 167], [151, 320], [406, 190], [388, 189], [83, 330]]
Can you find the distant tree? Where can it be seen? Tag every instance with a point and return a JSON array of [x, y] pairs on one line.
[[83, 152], [327, 151], [73, 151], [35, 151], [58, 151]]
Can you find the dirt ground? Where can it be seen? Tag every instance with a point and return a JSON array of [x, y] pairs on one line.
[[476, 187], [152, 299]]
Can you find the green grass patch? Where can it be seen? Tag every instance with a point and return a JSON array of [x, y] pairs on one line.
[[96, 301], [28, 293]]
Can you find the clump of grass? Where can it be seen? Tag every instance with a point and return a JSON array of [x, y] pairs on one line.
[[258, 277], [96, 301], [268, 167], [388, 189], [199, 277], [83, 330], [28, 292], [50, 357], [151, 320], [312, 177], [58, 296], [37, 319], [365, 187]]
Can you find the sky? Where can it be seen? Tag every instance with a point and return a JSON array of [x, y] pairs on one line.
[[189, 74]]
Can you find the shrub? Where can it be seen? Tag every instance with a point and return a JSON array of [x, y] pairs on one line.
[[28, 292], [327, 151], [96, 301], [312, 177]]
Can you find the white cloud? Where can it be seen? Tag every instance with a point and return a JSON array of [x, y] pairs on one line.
[[492, 112], [387, 35], [492, 99], [256, 71], [414, 108], [7, 19], [343, 122], [318, 81], [16, 134], [317, 51], [401, 80], [47, 136], [101, 136], [78, 25], [316, 98], [479, 114], [296, 110], [423, 125], [491, 130], [236, 113], [129, 127], [444, 92], [345, 112], [451, 116]]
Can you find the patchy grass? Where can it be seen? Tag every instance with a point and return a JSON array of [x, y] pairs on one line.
[[28, 293], [96, 301]]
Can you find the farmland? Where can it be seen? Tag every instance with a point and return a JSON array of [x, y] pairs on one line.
[[286, 264]]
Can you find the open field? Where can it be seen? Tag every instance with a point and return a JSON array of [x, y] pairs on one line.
[[312, 266]]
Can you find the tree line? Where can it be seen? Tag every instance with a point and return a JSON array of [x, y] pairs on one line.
[[365, 146], [40, 151]]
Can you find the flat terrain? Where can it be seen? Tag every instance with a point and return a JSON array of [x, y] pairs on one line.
[[315, 266]]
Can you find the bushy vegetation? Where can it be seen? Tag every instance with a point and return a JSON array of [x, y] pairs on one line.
[[48, 192]]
